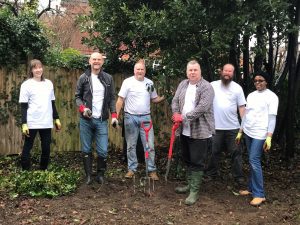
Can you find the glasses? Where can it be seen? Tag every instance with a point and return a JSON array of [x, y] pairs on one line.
[[258, 81]]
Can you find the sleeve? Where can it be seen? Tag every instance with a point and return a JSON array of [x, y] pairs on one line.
[[124, 89], [271, 123], [273, 105], [24, 94], [79, 92], [175, 101], [24, 107], [112, 103], [241, 97], [54, 110]]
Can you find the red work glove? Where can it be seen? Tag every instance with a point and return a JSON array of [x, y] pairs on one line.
[[177, 118], [86, 112], [114, 120]]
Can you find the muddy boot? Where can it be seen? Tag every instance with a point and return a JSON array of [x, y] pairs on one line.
[[87, 163], [186, 188], [101, 167], [25, 163], [196, 178], [44, 163]]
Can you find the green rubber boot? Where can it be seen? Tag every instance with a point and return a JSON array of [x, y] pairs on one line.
[[184, 189], [196, 179]]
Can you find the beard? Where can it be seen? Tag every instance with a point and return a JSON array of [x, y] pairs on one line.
[[226, 81]]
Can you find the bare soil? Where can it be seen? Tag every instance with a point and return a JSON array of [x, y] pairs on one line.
[[121, 201]]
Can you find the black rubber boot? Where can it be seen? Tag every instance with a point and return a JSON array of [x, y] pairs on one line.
[[25, 163], [44, 163], [101, 167], [87, 163]]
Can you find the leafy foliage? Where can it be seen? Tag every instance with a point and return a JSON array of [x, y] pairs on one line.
[[55, 181], [20, 37], [68, 58]]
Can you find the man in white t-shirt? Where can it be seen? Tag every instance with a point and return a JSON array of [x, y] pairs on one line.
[[228, 101], [136, 93]]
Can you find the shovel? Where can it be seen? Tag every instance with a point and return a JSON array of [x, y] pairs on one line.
[[174, 128]]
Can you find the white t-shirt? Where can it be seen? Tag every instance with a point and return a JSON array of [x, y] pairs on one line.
[[137, 95], [98, 96], [38, 95], [189, 105], [226, 102], [260, 104]]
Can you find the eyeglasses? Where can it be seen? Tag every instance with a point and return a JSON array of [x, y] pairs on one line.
[[258, 81]]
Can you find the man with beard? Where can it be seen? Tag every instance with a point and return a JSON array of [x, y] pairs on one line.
[[229, 98]]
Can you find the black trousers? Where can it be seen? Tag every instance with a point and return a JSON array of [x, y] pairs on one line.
[[45, 135], [195, 152]]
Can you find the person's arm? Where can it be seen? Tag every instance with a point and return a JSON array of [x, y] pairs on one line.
[[112, 103], [54, 110], [119, 104], [242, 110], [158, 99]]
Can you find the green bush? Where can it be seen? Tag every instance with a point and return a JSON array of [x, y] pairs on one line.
[[69, 58]]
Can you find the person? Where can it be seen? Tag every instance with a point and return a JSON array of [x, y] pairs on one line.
[[258, 125], [38, 111], [95, 97], [229, 98], [136, 93], [192, 106]]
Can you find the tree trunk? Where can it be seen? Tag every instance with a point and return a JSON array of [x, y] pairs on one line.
[[246, 62]]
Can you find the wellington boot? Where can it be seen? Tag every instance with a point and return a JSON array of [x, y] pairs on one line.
[[101, 167], [183, 189], [192, 198], [87, 164], [25, 163], [195, 181], [44, 163]]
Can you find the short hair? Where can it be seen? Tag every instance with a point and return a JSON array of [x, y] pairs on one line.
[[193, 62], [230, 64], [32, 64]]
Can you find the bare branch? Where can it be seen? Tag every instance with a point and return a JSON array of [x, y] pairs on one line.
[[11, 6]]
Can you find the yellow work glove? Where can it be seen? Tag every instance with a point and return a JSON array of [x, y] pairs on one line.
[[25, 129], [238, 138], [267, 144], [57, 124]]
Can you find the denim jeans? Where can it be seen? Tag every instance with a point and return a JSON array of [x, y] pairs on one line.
[[132, 130], [226, 138], [255, 149], [94, 129]]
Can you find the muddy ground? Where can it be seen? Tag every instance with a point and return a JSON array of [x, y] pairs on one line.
[[121, 201]]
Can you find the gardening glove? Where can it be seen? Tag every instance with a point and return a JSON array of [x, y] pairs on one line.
[[267, 144], [25, 129], [114, 120], [57, 125], [238, 138], [177, 118]]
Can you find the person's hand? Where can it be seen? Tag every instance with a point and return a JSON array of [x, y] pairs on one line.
[[114, 120], [87, 113], [25, 130], [267, 144], [57, 125], [238, 138], [177, 118]]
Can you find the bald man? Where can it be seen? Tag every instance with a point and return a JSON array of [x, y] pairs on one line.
[[95, 97]]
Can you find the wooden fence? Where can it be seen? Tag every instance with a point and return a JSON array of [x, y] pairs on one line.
[[67, 139]]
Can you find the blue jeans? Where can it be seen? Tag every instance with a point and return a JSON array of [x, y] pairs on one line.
[[132, 130], [94, 129], [256, 183]]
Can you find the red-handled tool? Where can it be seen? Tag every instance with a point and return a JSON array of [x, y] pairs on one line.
[[174, 128]]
